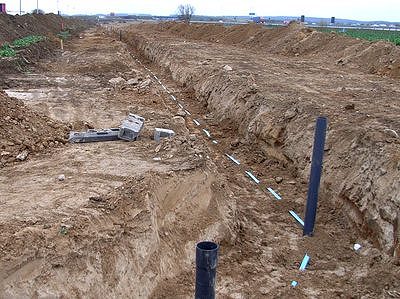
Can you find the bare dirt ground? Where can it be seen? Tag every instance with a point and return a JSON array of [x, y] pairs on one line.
[[125, 220]]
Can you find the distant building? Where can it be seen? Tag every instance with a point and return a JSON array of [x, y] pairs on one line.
[[2, 8]]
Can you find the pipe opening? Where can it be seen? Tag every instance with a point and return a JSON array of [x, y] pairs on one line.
[[207, 246]]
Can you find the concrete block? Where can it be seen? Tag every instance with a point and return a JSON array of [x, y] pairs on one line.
[[94, 135], [162, 133], [131, 127]]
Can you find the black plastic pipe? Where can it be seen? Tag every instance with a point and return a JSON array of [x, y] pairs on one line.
[[206, 269], [315, 176]]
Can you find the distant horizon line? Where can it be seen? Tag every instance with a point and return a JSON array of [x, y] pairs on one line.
[[241, 16], [218, 16]]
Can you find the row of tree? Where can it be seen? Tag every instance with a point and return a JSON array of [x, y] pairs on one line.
[[185, 12]]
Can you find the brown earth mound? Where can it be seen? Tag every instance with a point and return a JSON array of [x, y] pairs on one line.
[[380, 57], [15, 27], [23, 131]]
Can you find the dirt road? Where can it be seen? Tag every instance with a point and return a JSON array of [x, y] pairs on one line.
[[125, 220]]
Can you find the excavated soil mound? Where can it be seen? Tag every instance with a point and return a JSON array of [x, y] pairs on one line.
[[23, 131], [380, 57], [16, 27]]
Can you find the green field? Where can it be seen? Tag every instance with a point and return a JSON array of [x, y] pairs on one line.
[[368, 34]]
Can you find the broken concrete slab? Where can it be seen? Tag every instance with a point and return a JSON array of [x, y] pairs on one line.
[[162, 133]]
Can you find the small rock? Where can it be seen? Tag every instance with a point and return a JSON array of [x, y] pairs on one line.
[[181, 113], [296, 54], [158, 148], [192, 137], [7, 118], [133, 81], [64, 228], [340, 61], [253, 88], [117, 81], [391, 133], [279, 179], [4, 153], [61, 177], [357, 247], [292, 182], [349, 106], [263, 290], [157, 159], [96, 198], [22, 156], [227, 68], [289, 114], [235, 143], [145, 83]]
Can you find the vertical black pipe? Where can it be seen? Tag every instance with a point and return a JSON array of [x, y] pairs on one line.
[[315, 176], [206, 269]]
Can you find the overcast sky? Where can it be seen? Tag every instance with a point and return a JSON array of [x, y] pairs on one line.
[[385, 10]]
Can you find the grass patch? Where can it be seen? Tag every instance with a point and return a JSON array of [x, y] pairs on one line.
[[367, 34], [9, 50]]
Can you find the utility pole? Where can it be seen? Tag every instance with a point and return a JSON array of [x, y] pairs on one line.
[[37, 6], [20, 7]]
